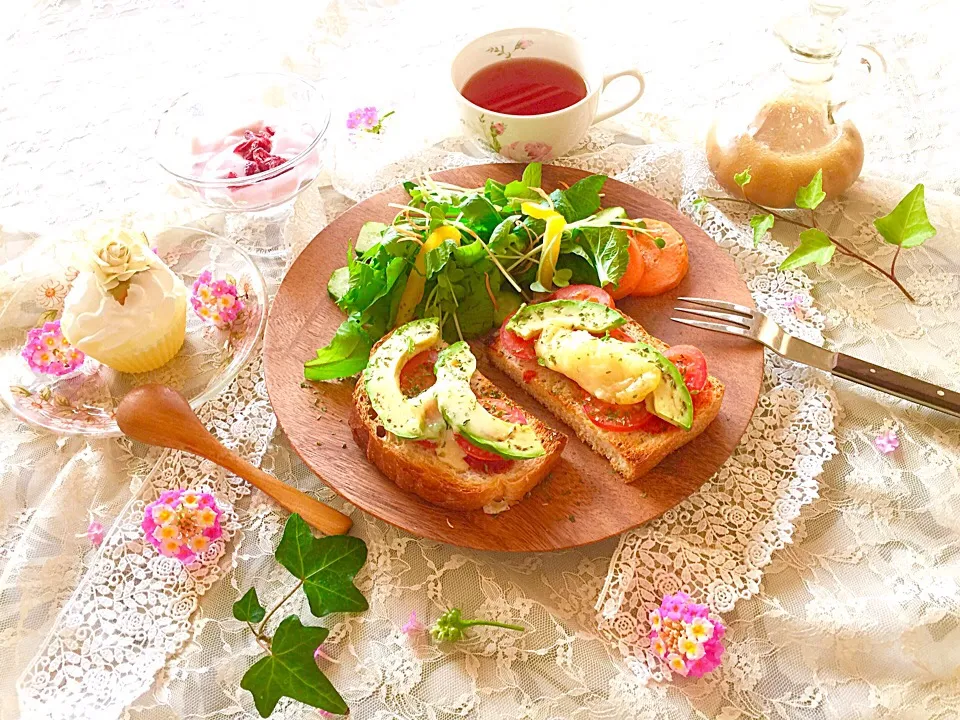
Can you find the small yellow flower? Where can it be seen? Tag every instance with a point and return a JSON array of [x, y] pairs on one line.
[[204, 311], [659, 647], [700, 629], [226, 300], [677, 664], [656, 622], [206, 518], [190, 500], [203, 292], [215, 317], [691, 648], [50, 341], [166, 532], [163, 514], [170, 547], [198, 543]]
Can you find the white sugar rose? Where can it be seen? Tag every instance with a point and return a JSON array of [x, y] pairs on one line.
[[117, 257]]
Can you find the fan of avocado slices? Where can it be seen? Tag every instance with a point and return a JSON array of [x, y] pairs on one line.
[[469, 257]]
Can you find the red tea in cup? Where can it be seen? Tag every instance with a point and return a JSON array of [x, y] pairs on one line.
[[525, 86]]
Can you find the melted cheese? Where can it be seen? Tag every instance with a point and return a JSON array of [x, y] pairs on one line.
[[450, 453], [606, 368]]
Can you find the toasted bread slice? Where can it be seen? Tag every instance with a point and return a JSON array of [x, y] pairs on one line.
[[631, 453], [418, 469]]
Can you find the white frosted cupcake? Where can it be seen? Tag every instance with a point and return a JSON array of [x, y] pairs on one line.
[[126, 308]]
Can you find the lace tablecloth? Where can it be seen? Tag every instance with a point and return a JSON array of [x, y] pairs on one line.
[[858, 617]]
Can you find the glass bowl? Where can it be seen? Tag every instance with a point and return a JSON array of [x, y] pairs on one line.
[[84, 401], [197, 139]]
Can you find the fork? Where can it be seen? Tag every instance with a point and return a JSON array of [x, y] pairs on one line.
[[753, 324]]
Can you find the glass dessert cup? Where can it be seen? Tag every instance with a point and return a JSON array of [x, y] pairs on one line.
[[203, 140]]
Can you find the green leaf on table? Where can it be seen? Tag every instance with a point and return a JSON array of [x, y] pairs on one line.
[[248, 608], [761, 225], [809, 196], [290, 671], [815, 247], [608, 250], [532, 175], [326, 565], [580, 200], [493, 191], [345, 355], [907, 225], [370, 235], [743, 177]]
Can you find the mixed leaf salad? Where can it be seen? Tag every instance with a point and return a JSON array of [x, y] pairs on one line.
[[469, 257]]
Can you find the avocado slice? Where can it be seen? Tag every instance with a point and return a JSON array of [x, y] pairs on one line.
[[593, 317], [464, 413], [671, 399], [404, 417]]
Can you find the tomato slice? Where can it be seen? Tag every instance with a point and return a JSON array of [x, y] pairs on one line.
[[619, 418], [426, 444], [516, 345], [477, 453], [692, 365], [488, 466], [583, 292], [621, 335], [505, 411], [700, 399], [417, 375]]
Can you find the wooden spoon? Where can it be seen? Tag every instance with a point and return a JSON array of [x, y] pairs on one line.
[[159, 415]]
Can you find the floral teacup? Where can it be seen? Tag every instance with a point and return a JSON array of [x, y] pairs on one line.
[[527, 138]]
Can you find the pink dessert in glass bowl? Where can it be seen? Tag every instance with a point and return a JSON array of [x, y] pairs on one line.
[[247, 142]]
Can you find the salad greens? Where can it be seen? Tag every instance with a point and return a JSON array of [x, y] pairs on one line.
[[470, 256]]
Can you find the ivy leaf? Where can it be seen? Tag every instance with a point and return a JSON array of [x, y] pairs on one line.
[[326, 566], [742, 177], [761, 225], [248, 608], [700, 203], [290, 671], [907, 225], [815, 247], [809, 196]]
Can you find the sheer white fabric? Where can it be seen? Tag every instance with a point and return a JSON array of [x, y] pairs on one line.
[[858, 617]]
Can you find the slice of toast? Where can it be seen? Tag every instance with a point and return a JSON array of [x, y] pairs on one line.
[[631, 453], [419, 470]]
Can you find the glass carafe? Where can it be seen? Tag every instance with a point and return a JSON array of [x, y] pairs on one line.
[[799, 121]]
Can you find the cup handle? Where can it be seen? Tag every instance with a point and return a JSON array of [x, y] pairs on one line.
[[607, 79]]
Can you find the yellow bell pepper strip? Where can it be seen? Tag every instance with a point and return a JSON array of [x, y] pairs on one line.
[[550, 250], [413, 290]]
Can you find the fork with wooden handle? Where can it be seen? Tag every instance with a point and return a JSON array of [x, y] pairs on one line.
[[159, 415], [753, 324]]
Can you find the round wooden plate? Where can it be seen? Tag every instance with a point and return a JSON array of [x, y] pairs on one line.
[[584, 500]]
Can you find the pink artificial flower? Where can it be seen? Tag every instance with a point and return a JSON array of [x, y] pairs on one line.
[[686, 636], [47, 351], [95, 533], [413, 626], [182, 523], [363, 118], [887, 442], [216, 302]]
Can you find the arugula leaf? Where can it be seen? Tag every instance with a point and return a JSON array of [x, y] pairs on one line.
[[345, 355], [290, 671], [493, 191], [326, 565], [809, 196], [761, 225], [369, 236], [532, 175], [743, 177], [479, 215], [907, 225], [815, 247], [609, 252], [580, 200], [248, 608]]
